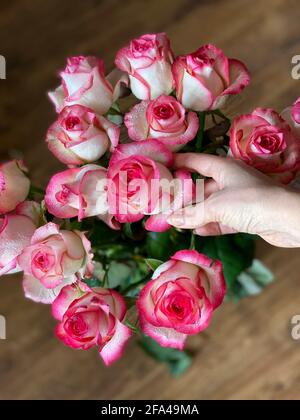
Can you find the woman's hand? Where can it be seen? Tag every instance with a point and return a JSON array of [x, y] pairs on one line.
[[238, 198]]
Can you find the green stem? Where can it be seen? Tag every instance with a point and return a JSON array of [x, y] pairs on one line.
[[115, 112], [105, 277], [200, 135], [132, 327], [36, 190], [220, 114], [192, 244], [67, 224]]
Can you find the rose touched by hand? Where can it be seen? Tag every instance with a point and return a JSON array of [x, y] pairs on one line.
[[238, 198]]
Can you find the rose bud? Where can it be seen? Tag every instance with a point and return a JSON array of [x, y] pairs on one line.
[[296, 111], [292, 116], [147, 60], [92, 318], [79, 192], [164, 119], [53, 259], [205, 78], [14, 185], [16, 231], [180, 299], [80, 136], [132, 170], [265, 141], [84, 83]]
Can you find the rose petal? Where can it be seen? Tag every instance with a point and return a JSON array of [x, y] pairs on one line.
[[114, 348], [35, 291], [166, 337]]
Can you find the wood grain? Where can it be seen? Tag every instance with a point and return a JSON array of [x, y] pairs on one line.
[[248, 351]]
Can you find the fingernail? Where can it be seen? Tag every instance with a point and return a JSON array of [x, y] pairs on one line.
[[175, 220]]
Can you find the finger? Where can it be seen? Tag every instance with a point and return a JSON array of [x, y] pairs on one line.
[[207, 165], [214, 229], [210, 187], [192, 216]]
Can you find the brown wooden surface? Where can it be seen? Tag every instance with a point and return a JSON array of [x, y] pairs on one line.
[[248, 351]]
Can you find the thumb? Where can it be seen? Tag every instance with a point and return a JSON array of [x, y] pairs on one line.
[[193, 216]]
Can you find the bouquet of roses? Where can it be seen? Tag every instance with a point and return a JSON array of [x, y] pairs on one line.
[[97, 245]]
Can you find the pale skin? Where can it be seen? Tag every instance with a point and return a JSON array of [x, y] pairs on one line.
[[238, 198]]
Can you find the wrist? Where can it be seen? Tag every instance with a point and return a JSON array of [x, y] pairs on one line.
[[289, 203]]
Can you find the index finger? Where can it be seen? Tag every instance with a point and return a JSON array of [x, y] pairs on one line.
[[207, 165]]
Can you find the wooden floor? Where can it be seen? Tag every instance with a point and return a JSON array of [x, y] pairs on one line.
[[247, 353]]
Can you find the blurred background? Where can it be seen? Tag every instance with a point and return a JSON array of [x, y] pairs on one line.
[[248, 352]]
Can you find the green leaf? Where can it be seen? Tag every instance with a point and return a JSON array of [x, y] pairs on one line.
[[134, 231], [74, 224], [93, 282], [115, 118], [119, 274], [161, 246], [253, 280], [153, 263], [127, 229], [236, 252], [114, 114], [102, 234], [177, 361], [130, 302], [35, 191], [260, 273]]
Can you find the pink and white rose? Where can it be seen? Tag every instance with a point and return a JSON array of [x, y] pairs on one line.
[[205, 78], [141, 184], [16, 231], [292, 116], [181, 297], [55, 257], [164, 119], [266, 142], [132, 169], [147, 60], [14, 185], [81, 136], [79, 192], [296, 111], [84, 83], [92, 318]]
